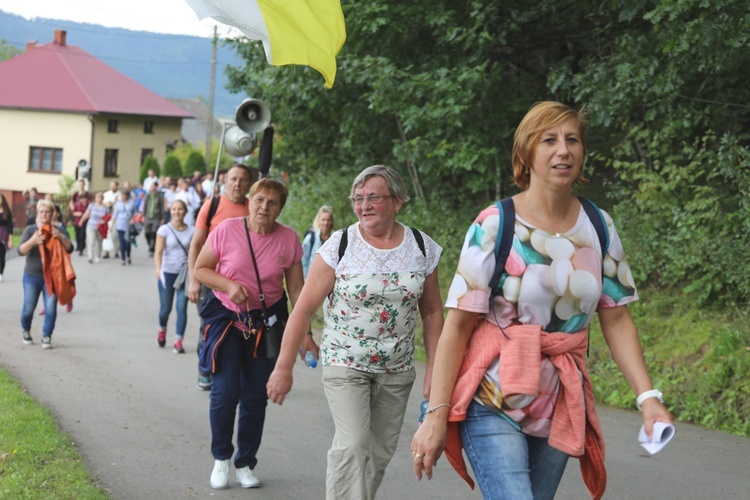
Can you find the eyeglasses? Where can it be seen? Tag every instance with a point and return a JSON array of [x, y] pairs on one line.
[[373, 199]]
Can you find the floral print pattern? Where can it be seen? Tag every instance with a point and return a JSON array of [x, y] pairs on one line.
[[370, 321]]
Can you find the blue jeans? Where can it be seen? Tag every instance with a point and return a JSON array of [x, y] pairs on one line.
[[33, 285], [240, 379], [124, 238], [506, 462], [166, 296]]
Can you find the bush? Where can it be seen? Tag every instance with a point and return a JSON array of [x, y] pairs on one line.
[[195, 161], [172, 167]]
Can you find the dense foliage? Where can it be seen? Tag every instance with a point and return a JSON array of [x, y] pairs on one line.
[[171, 167], [195, 162], [436, 89]]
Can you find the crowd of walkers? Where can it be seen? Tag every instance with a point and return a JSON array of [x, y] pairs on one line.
[[506, 383], [105, 226]]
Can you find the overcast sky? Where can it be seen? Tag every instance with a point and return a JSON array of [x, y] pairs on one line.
[[159, 16]]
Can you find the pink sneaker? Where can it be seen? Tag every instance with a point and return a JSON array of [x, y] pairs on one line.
[[178, 349], [162, 338]]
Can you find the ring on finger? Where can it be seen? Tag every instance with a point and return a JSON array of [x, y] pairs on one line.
[[418, 456]]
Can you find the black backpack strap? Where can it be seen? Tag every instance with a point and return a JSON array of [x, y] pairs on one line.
[[504, 241], [344, 242], [600, 225], [212, 210], [597, 219], [311, 232], [420, 240]]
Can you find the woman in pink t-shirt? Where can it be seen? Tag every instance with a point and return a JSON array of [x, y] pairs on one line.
[[233, 317]]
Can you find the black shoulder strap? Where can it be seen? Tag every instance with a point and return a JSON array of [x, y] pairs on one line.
[[345, 241], [504, 241], [597, 219], [420, 240], [311, 232], [212, 211]]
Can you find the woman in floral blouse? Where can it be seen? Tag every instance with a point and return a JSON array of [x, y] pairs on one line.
[[511, 385], [377, 288]]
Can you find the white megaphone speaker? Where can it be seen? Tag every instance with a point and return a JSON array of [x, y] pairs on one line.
[[252, 117]]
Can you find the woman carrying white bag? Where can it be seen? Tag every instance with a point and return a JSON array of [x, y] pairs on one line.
[[170, 256]]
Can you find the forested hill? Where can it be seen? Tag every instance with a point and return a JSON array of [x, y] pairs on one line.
[[175, 66]]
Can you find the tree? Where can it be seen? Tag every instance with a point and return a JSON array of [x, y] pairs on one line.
[[7, 50], [436, 88], [171, 167], [150, 163], [195, 161], [671, 92]]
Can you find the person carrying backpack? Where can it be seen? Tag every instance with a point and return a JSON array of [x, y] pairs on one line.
[[510, 385], [379, 278], [321, 230]]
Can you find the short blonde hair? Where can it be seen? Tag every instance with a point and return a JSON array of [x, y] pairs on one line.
[[45, 203], [540, 117]]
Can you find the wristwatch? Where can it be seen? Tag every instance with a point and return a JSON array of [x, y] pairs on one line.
[[653, 393]]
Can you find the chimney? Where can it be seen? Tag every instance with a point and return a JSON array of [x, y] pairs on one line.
[[30, 45], [60, 37]]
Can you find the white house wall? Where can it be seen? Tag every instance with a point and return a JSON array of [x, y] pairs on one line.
[[21, 129]]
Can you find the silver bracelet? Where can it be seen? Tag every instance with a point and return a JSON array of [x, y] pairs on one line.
[[430, 410]]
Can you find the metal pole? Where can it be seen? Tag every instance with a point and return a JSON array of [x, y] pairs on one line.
[[218, 156], [211, 92]]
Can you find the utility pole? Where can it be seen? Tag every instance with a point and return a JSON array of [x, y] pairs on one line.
[[211, 92]]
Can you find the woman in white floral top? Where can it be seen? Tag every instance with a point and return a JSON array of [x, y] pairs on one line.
[[381, 284], [511, 386]]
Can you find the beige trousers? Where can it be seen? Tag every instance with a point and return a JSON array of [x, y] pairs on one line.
[[368, 410], [93, 243]]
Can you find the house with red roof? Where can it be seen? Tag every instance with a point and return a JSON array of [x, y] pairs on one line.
[[61, 106]]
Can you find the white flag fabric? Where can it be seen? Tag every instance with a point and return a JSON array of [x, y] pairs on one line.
[[307, 32]]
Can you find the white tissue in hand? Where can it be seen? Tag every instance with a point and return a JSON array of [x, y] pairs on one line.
[[661, 435]]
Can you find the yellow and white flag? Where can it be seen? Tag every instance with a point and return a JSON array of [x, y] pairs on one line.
[[307, 32]]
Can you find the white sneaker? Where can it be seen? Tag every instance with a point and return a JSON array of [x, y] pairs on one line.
[[246, 478], [220, 474]]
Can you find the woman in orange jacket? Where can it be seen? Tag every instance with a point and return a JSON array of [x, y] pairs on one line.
[[34, 238]]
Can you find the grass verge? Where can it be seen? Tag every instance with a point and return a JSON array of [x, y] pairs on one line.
[[37, 460]]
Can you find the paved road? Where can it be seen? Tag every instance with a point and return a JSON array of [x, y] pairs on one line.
[[141, 425]]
